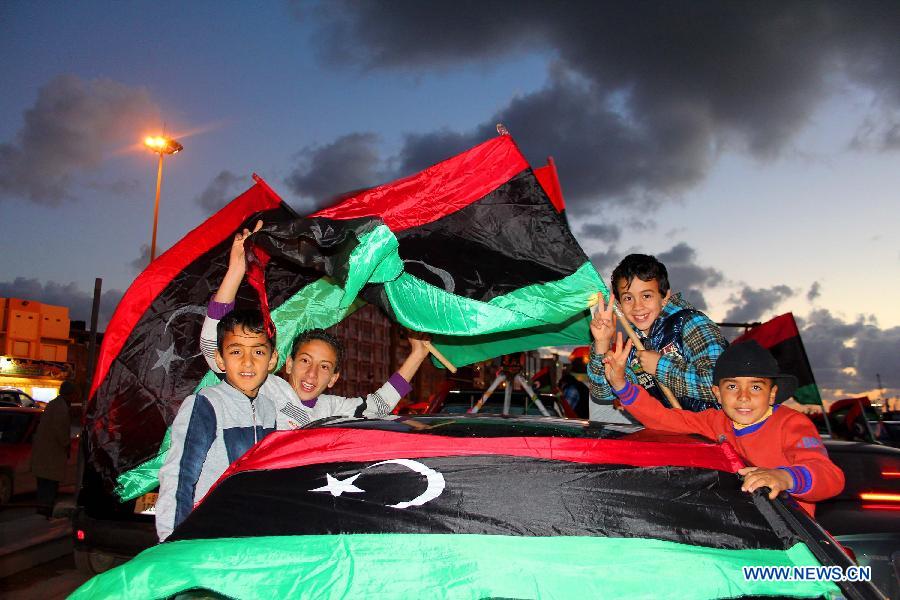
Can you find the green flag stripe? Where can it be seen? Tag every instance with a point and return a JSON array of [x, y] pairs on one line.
[[808, 394], [524, 319], [449, 566]]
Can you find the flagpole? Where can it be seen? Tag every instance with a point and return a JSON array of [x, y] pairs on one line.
[[640, 347], [441, 358]]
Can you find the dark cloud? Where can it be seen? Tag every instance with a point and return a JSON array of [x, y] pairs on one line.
[[751, 305], [143, 260], [70, 295], [688, 277], [814, 291], [605, 262], [641, 96], [846, 355], [602, 231], [72, 126], [350, 162], [221, 190]]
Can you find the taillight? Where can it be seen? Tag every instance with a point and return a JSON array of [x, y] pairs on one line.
[[79, 535], [890, 474], [848, 550], [879, 497]]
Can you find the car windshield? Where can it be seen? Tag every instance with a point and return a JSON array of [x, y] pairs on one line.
[[13, 427]]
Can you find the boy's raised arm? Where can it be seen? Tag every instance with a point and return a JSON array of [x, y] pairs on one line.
[[222, 301], [645, 407]]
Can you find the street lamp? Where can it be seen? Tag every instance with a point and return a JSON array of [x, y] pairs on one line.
[[162, 146]]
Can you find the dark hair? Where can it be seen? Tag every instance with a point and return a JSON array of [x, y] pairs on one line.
[[67, 388], [324, 336], [247, 319], [645, 268]]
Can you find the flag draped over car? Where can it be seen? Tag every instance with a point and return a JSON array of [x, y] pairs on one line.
[[428, 509], [782, 338], [473, 250]]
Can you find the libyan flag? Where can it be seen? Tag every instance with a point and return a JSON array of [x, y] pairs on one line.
[[474, 250], [344, 512], [782, 338], [471, 250]]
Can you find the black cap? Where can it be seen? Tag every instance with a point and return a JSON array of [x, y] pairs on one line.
[[749, 359]]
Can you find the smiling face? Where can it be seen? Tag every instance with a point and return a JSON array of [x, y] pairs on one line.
[[745, 400], [246, 358], [641, 301], [311, 370]]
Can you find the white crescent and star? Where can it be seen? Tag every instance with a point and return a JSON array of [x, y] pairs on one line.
[[435, 487], [165, 357]]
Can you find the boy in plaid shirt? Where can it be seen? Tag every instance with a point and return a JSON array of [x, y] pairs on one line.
[[681, 343]]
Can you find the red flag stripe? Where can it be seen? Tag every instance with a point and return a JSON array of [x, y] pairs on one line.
[[154, 279], [772, 332], [549, 180], [286, 449], [437, 191]]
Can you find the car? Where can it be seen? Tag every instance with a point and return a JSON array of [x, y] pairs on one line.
[[10, 396], [865, 516], [17, 428], [474, 506], [107, 532], [461, 401]]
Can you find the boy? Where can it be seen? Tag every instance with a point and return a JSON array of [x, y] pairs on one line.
[[315, 362], [218, 424], [782, 443], [681, 343], [314, 366]]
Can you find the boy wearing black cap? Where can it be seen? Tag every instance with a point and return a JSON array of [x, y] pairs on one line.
[[782, 443]]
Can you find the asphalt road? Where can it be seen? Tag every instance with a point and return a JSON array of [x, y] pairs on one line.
[[53, 580]]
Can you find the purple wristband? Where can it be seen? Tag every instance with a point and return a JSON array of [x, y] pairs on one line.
[[400, 384], [218, 310]]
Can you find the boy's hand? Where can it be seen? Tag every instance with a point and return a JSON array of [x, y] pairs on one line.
[[236, 259], [775, 479], [649, 360], [614, 363], [603, 325], [417, 341]]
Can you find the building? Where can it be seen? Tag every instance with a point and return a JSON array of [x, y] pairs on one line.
[[374, 348], [34, 347]]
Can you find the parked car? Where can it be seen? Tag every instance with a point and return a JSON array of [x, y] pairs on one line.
[[10, 396], [485, 506], [17, 428], [865, 517], [107, 532]]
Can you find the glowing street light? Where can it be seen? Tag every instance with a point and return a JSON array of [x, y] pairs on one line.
[[162, 146]]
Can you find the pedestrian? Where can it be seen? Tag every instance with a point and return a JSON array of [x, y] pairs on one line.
[[50, 450]]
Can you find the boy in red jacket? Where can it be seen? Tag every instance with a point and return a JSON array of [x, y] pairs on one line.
[[782, 443]]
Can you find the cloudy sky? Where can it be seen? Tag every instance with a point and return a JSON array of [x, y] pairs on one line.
[[753, 147]]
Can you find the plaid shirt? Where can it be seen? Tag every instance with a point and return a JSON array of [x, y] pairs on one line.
[[688, 375]]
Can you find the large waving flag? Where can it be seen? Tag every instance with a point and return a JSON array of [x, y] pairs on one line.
[[370, 513], [150, 358], [472, 250]]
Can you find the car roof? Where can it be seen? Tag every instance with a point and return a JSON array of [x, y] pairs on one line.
[[21, 409]]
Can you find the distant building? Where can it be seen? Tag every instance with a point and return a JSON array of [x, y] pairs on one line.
[[34, 347], [373, 349]]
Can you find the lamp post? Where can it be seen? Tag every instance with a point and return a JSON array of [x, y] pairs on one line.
[[162, 146]]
